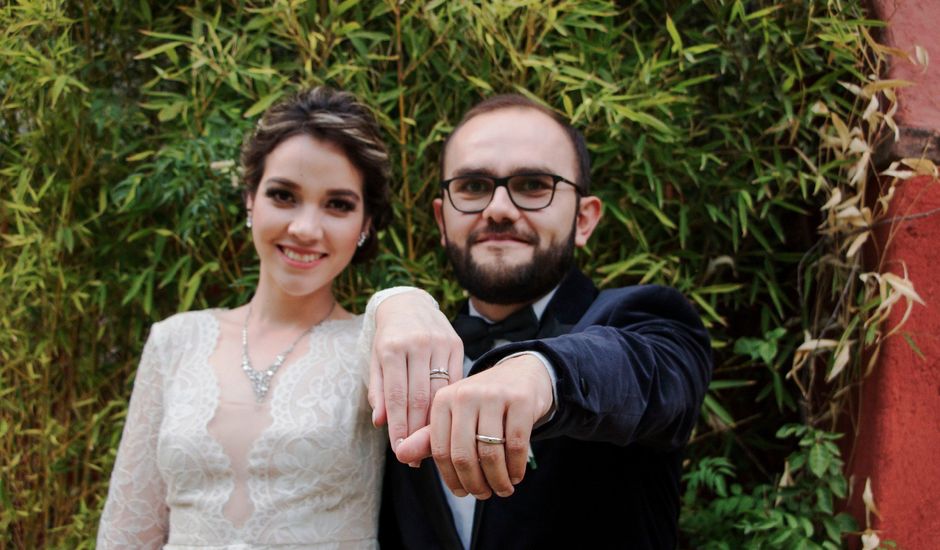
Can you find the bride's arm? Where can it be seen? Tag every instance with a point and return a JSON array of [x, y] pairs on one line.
[[412, 339], [135, 514]]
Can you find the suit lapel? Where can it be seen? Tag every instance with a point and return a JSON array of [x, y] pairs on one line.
[[431, 494], [572, 299]]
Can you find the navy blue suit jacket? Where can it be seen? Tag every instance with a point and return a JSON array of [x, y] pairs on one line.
[[632, 368]]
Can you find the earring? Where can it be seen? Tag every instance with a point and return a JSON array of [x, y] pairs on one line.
[[248, 221], [362, 239]]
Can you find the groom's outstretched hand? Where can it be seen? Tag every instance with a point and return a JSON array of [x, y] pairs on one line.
[[415, 353], [503, 402]]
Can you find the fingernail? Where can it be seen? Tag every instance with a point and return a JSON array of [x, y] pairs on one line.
[[460, 493], [414, 464], [375, 413], [397, 443], [503, 494], [515, 480]]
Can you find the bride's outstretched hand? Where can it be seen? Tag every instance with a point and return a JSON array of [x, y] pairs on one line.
[[415, 353]]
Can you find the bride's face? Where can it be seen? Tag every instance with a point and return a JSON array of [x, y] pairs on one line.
[[307, 215]]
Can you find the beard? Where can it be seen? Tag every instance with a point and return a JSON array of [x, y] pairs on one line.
[[511, 284]]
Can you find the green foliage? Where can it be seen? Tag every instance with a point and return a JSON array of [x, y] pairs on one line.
[[796, 512], [120, 124]]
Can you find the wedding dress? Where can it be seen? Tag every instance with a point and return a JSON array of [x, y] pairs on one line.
[[302, 469]]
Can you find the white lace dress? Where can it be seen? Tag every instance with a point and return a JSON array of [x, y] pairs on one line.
[[303, 469]]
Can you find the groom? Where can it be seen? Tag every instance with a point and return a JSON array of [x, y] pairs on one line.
[[574, 396]]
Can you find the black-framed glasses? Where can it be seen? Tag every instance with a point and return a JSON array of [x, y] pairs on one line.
[[472, 193]]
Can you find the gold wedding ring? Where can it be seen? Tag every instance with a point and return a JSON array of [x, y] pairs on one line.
[[490, 440]]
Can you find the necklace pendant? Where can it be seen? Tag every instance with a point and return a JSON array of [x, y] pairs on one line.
[[260, 386], [260, 380]]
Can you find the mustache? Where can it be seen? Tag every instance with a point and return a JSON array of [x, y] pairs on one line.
[[506, 229]]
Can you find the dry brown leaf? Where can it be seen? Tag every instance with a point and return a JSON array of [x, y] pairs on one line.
[[888, 117], [883, 49], [817, 344], [220, 165], [857, 243], [849, 212], [851, 201], [717, 262], [889, 120], [880, 85], [885, 199], [841, 360], [870, 540], [874, 354], [872, 110], [843, 130], [854, 88], [819, 108], [808, 162], [858, 145], [893, 171], [869, 499], [859, 170], [923, 166], [833, 142], [907, 314], [922, 57], [904, 286], [834, 199], [786, 480]]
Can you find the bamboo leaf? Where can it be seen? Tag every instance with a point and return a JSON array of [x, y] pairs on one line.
[[674, 34], [262, 104], [162, 48]]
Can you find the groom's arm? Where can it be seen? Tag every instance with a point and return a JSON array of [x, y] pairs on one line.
[[634, 369]]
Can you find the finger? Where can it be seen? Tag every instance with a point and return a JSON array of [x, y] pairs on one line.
[[455, 361], [518, 426], [493, 455], [416, 447], [395, 386], [376, 391], [442, 370], [440, 443], [419, 388], [463, 450]]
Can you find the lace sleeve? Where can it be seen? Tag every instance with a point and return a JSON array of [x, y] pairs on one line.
[[368, 321], [135, 514]]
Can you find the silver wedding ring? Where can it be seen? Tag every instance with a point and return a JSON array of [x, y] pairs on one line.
[[439, 374], [490, 440]]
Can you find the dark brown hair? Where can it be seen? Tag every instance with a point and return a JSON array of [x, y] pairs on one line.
[[336, 117], [517, 101]]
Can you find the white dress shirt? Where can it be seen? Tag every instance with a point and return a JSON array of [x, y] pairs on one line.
[[462, 507]]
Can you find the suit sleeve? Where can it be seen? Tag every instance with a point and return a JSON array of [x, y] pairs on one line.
[[633, 370]]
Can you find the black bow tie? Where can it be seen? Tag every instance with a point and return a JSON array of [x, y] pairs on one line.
[[478, 335]]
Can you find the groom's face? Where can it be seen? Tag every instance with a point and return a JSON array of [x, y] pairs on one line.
[[505, 255]]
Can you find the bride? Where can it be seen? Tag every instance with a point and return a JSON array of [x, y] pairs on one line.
[[250, 427]]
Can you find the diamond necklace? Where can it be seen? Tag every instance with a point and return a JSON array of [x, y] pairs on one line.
[[260, 380]]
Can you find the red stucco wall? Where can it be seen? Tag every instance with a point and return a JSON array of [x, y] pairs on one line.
[[910, 23], [898, 445], [898, 441]]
